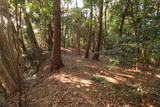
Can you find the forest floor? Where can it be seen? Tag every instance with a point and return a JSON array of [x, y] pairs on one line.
[[88, 83]]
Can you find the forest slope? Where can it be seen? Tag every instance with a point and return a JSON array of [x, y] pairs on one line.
[[87, 83]]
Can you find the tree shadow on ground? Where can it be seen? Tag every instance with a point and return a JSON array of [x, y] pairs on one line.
[[87, 83]]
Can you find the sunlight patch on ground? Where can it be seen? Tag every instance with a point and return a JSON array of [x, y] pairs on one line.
[[133, 70], [92, 66], [125, 75], [78, 60], [67, 49], [67, 78], [107, 78], [150, 105], [119, 75], [158, 76], [129, 76]]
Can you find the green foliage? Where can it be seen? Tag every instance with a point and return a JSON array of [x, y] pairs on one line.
[[87, 3], [133, 92], [112, 63], [29, 76], [2, 100], [157, 82], [97, 79], [124, 53], [101, 81], [124, 86], [142, 19]]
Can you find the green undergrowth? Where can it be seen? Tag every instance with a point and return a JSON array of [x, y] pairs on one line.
[[101, 81], [29, 76], [157, 82], [2, 100], [133, 92]]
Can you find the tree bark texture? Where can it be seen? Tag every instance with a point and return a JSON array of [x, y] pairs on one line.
[[56, 55]]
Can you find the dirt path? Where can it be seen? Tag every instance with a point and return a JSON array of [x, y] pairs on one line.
[[88, 83]]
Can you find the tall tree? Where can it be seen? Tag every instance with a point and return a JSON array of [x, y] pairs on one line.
[[78, 33], [56, 55], [99, 36], [31, 36], [10, 60], [90, 31]]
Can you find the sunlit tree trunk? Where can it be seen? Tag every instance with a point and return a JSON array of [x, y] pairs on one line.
[[56, 55]]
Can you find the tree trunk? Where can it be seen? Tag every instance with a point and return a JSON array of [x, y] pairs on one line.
[[99, 36], [9, 58], [105, 13], [105, 27], [121, 25], [56, 55], [8, 65], [124, 14], [8, 84], [78, 33], [50, 36], [90, 32], [78, 41], [31, 36]]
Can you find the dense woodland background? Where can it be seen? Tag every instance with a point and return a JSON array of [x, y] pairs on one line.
[[56, 53]]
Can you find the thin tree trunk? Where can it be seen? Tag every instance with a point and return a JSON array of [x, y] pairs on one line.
[[105, 13], [78, 41], [78, 33], [124, 14], [99, 36], [121, 26], [50, 36], [90, 32]]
